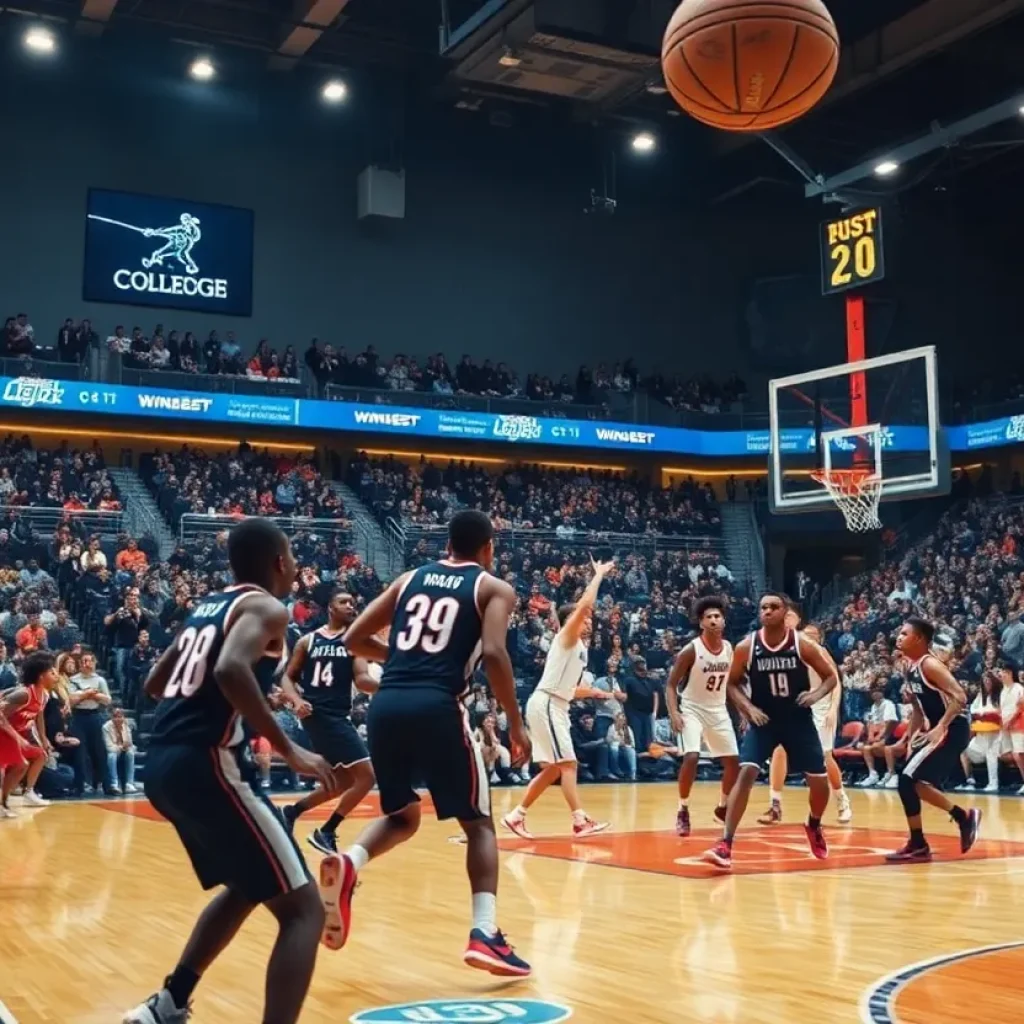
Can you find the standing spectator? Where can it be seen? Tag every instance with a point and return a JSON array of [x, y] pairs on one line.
[[67, 342], [120, 746], [1012, 640], [986, 741], [641, 704], [123, 628], [1011, 712], [89, 696]]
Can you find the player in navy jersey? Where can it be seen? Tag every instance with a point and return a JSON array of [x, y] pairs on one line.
[[319, 683], [939, 733], [443, 617], [212, 683], [775, 661]]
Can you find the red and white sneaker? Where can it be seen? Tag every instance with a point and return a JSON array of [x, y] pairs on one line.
[[516, 824], [683, 822], [773, 816], [816, 841], [337, 883], [588, 827], [720, 855]]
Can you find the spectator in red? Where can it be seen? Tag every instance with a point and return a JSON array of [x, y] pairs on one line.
[[31, 636]]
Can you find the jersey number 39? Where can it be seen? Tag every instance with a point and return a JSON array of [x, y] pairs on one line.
[[428, 624]]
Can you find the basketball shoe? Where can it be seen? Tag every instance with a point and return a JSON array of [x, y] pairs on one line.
[[493, 954], [516, 823], [324, 841], [588, 827], [910, 855], [816, 841], [337, 883], [159, 1008], [773, 816], [720, 855], [683, 822]]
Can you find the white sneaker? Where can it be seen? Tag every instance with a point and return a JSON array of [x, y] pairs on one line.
[[495, 779], [966, 787], [1020, 792], [517, 825], [33, 799], [264, 783], [115, 790], [157, 1009], [992, 787], [869, 780], [886, 779], [845, 811], [588, 827], [130, 787], [892, 782], [7, 812]]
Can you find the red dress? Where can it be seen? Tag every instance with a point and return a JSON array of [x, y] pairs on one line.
[[22, 719]]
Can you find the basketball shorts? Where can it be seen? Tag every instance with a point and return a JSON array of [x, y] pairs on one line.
[[232, 833], [713, 723], [12, 753], [335, 739], [825, 724], [421, 736], [797, 736], [547, 719], [934, 763]]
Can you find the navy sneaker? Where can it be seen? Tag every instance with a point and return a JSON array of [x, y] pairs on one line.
[[324, 841], [493, 954], [290, 817]]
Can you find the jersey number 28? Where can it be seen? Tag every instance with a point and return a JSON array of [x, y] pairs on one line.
[[428, 624], [190, 668]]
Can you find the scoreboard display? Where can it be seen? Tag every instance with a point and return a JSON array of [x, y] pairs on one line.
[[851, 251]]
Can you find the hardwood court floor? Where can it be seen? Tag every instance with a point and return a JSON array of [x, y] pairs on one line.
[[96, 900]]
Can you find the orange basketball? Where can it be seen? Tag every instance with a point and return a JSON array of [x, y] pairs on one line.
[[749, 65]]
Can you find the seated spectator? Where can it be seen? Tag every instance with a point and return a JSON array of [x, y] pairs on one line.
[[881, 720], [130, 559], [32, 636], [120, 747], [621, 749], [497, 759], [591, 749]]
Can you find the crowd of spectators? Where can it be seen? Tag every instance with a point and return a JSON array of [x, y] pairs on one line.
[[697, 392], [533, 497], [968, 576]]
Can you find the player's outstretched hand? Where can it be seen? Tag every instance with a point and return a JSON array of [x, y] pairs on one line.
[[757, 717], [520, 740], [807, 698], [601, 568], [305, 762]]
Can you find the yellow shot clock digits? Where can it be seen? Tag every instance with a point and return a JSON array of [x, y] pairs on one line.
[[851, 251]]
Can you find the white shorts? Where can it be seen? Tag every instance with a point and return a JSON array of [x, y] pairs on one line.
[[826, 729], [714, 724], [547, 718], [981, 745], [1013, 742]]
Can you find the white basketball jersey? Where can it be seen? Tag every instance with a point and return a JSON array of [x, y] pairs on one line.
[[706, 682], [563, 669], [821, 710]]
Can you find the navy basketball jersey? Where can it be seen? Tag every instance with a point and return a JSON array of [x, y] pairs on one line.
[[193, 710], [327, 674], [777, 675], [435, 634], [933, 701]]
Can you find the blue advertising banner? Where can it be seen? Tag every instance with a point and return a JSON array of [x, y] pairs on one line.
[[274, 411], [177, 254]]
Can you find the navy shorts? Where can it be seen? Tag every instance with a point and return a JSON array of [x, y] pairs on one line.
[[335, 739], [422, 737], [797, 736], [935, 765], [232, 833]]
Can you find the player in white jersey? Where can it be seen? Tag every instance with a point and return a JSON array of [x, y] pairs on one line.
[[699, 711], [547, 712], [826, 718]]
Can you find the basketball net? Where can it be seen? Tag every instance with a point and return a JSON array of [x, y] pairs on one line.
[[856, 493]]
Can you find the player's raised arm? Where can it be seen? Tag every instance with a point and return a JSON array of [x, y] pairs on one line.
[[498, 602], [680, 671], [815, 658], [572, 630], [734, 684], [361, 637]]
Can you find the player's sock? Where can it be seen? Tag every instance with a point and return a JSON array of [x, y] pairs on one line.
[[485, 913], [958, 814], [683, 802], [813, 822], [728, 841], [578, 817], [917, 838], [776, 796], [359, 857], [519, 811], [332, 823], [181, 984]]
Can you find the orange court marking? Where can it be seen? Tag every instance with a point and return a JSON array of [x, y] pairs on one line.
[[771, 850], [981, 984]]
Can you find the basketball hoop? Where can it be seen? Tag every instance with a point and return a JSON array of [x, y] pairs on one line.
[[856, 493]]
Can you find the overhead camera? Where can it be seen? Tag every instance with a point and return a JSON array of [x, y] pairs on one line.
[[600, 204]]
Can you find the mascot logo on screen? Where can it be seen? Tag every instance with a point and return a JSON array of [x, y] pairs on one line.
[[175, 252]]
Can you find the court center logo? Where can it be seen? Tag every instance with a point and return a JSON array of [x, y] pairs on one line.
[[466, 1011], [175, 253]]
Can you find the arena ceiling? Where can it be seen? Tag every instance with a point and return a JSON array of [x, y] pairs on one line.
[[906, 65]]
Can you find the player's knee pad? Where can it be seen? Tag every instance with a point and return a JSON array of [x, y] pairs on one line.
[[909, 796]]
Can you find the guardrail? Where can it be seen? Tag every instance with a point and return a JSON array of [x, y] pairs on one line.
[[197, 526], [215, 383], [46, 520]]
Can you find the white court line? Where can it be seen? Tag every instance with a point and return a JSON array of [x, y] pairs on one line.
[[6, 1017]]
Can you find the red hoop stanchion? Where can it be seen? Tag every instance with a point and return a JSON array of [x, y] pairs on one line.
[[856, 493]]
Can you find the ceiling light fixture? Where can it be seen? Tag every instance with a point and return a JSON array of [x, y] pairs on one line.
[[334, 91], [40, 40], [202, 69], [886, 167], [644, 142]]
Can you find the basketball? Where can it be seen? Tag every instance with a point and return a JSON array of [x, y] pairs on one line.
[[749, 65]]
